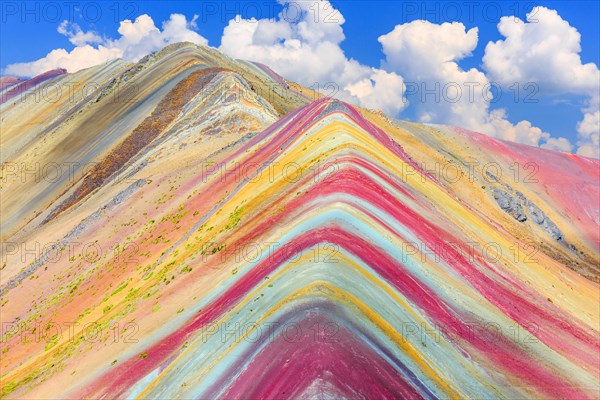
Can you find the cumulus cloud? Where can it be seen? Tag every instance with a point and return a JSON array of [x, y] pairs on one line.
[[142, 37], [590, 124], [382, 90], [307, 49], [419, 47], [79, 58], [427, 55], [522, 132], [589, 135], [137, 39], [545, 50], [559, 144], [76, 35]]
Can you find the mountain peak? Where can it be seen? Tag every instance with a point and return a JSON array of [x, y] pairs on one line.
[[245, 236]]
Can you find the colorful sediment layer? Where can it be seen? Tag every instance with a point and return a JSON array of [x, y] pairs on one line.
[[8, 81], [332, 252], [14, 87]]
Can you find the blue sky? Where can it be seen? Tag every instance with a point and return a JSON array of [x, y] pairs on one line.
[[29, 32], [24, 39]]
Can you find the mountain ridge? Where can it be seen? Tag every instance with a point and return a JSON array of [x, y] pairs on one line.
[[250, 204]]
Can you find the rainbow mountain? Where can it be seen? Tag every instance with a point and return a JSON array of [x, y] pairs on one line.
[[194, 226]]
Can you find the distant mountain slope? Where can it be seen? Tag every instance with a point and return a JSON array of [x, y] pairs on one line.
[[198, 227]]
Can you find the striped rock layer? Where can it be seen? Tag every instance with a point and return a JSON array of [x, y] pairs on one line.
[[223, 233]]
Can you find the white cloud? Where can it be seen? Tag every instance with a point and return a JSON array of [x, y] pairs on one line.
[[590, 124], [427, 55], [142, 37], [137, 39], [79, 58], [76, 35], [560, 144], [382, 90], [307, 49], [522, 132], [589, 134], [545, 50], [418, 48]]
